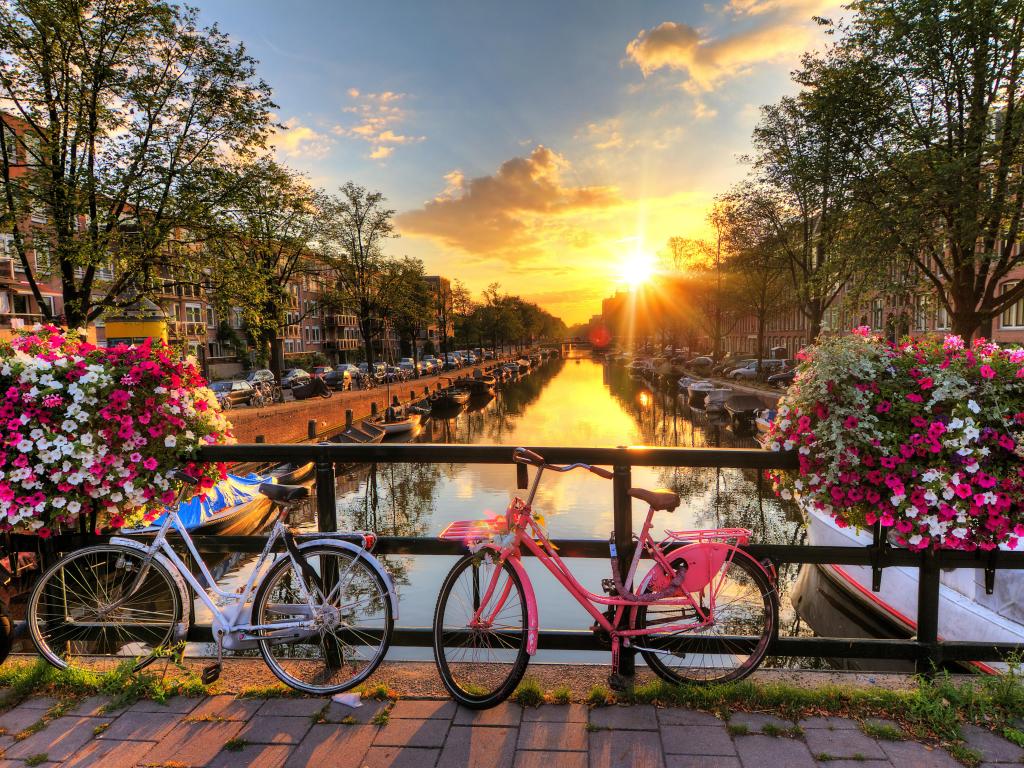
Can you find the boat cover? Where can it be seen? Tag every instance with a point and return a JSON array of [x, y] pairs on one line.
[[232, 492]]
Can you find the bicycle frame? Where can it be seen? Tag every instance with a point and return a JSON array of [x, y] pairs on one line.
[[528, 533]]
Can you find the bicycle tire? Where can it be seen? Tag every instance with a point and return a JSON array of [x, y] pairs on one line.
[[769, 604], [158, 597], [263, 593], [473, 698]]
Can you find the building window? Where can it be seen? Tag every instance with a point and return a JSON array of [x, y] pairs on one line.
[[1013, 316], [877, 310], [921, 312], [211, 318], [942, 318], [194, 314]]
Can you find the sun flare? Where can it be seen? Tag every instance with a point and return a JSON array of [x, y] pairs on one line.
[[636, 269]]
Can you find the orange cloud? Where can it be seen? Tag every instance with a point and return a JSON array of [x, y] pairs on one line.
[[298, 140], [495, 213]]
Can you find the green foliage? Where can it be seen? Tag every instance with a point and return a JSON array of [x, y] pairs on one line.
[[882, 731], [37, 759], [599, 696], [235, 745], [383, 717], [561, 695], [529, 693]]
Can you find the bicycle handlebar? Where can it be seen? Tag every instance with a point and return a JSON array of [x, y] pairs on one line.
[[526, 456]]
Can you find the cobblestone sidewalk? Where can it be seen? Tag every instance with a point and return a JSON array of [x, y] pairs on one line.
[[422, 733]]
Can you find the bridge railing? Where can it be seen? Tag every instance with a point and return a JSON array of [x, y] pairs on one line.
[[925, 649]]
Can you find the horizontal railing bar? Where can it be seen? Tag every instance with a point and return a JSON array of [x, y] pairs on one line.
[[595, 548], [434, 453]]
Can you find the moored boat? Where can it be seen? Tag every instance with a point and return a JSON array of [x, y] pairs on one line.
[[697, 392], [397, 420], [743, 410], [365, 432]]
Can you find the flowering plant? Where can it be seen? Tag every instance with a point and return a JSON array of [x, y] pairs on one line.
[[86, 430], [924, 437]]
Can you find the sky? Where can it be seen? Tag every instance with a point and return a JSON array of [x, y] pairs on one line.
[[552, 147]]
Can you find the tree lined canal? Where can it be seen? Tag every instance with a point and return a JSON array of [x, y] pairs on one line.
[[577, 401]]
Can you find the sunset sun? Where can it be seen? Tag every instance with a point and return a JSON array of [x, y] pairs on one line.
[[636, 269]]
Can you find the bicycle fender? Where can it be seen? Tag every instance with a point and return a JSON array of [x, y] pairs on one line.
[[532, 621], [368, 557], [176, 577]]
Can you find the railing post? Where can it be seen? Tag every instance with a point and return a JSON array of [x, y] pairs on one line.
[[622, 512], [928, 613], [326, 506]]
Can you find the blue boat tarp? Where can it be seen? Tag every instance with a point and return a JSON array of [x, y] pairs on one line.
[[232, 492]]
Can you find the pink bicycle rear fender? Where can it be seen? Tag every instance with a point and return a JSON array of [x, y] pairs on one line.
[[703, 562]]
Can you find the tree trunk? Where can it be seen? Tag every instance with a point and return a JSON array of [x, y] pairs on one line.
[[366, 331], [965, 324]]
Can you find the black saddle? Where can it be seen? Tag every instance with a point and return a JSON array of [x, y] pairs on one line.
[[284, 494]]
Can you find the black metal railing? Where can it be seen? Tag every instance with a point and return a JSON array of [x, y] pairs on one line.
[[926, 649]]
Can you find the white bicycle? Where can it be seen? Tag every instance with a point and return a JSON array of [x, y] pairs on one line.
[[321, 612]]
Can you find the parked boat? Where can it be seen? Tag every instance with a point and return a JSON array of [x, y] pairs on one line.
[[396, 421], [449, 398], [365, 432], [966, 612], [697, 392], [715, 398], [481, 388], [743, 410]]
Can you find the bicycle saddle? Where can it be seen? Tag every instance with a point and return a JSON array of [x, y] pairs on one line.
[[284, 494], [661, 499]]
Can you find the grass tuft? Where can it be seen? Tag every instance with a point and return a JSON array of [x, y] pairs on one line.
[[37, 759], [561, 695], [737, 729], [381, 718], [380, 692], [599, 696], [529, 693], [882, 731], [235, 745]]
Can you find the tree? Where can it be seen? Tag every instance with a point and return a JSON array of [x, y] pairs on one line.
[[949, 192], [120, 109], [410, 304], [354, 226], [260, 240], [449, 298], [809, 157]]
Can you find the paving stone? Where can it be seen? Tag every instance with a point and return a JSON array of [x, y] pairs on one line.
[[39, 702], [139, 726], [423, 709], [92, 706], [855, 764], [18, 719], [609, 749], [193, 743], [110, 754], [505, 714], [292, 707], [479, 747], [59, 740], [701, 761], [328, 744], [770, 752], [679, 716], [910, 754], [828, 723], [225, 708], [399, 757], [412, 733], [880, 722], [697, 740], [571, 737], [21, 764], [637, 718], [178, 705], [252, 756], [993, 748], [275, 730], [556, 713], [548, 759], [842, 742], [756, 721], [336, 712]]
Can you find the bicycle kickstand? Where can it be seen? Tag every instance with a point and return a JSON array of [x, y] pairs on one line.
[[211, 673], [616, 680]]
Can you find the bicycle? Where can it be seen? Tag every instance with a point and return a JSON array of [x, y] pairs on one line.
[[705, 612], [321, 612]]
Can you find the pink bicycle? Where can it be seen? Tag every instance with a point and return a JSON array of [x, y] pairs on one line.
[[706, 611]]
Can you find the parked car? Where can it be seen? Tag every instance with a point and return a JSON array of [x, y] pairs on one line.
[[452, 361], [294, 376], [379, 370], [340, 377], [261, 374], [409, 367], [430, 364], [702, 363], [783, 379], [726, 364], [320, 371], [232, 392], [752, 368]]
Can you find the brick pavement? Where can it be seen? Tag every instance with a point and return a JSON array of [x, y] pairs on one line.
[[420, 733]]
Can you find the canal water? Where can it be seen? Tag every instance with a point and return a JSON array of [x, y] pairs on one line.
[[576, 401]]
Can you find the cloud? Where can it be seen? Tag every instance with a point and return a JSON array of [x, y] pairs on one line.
[[376, 117], [777, 30], [521, 206], [603, 135], [300, 141]]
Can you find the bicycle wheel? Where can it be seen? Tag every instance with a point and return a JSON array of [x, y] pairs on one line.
[[83, 614], [746, 612], [339, 641], [480, 666]]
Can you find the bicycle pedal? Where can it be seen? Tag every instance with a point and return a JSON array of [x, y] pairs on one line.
[[211, 673]]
